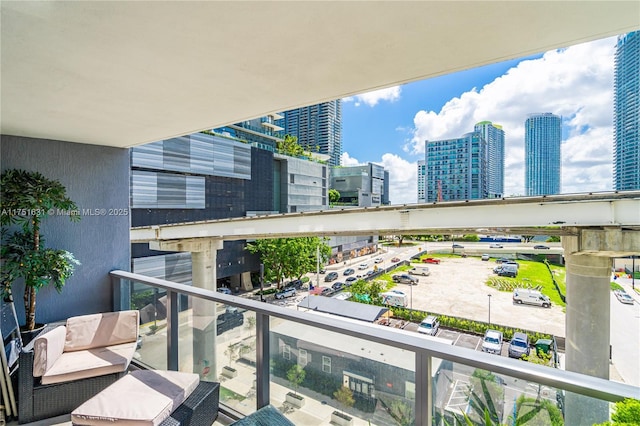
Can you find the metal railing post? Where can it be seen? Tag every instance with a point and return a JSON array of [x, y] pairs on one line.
[[263, 358], [424, 391], [172, 330]]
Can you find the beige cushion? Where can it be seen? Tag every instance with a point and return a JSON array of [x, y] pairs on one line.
[[90, 363], [47, 348], [141, 398], [97, 330]]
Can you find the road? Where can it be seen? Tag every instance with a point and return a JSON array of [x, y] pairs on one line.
[[625, 335]]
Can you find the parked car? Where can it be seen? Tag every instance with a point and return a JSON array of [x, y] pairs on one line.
[[395, 259], [508, 270], [405, 279], [349, 271], [229, 320], [429, 325], [378, 260], [420, 270], [431, 260], [519, 345], [350, 280], [323, 271], [363, 266], [319, 290], [286, 292], [530, 297], [623, 297], [541, 247], [496, 245], [224, 290], [337, 286], [485, 257], [326, 291], [492, 342], [502, 260], [331, 276], [296, 284], [455, 246]]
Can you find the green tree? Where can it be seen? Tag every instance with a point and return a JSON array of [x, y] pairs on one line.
[[289, 257], [295, 376], [250, 324], [26, 198], [345, 397], [553, 239], [334, 196], [626, 413], [290, 146]]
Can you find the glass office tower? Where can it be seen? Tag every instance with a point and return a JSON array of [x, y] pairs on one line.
[[542, 139]]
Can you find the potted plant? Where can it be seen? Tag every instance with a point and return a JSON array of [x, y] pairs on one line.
[[26, 198], [295, 375], [345, 397]]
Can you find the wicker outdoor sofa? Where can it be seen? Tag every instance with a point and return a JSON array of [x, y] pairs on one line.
[[66, 365]]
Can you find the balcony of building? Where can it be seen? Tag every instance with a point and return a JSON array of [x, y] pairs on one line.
[[83, 82]]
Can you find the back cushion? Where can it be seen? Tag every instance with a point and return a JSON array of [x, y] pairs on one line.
[[98, 330]]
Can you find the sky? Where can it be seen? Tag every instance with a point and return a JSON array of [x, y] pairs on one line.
[[389, 126]]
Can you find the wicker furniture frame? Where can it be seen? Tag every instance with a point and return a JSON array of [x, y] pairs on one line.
[[199, 409], [37, 401]]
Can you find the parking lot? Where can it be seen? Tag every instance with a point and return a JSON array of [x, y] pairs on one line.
[[457, 287]]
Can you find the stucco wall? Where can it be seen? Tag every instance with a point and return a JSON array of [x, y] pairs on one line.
[[96, 177]]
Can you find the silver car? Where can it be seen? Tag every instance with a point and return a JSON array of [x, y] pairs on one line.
[[519, 345]]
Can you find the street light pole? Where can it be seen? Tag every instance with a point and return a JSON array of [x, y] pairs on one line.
[[262, 282], [489, 308]]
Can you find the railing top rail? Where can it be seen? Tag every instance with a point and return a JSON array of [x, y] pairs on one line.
[[569, 381]]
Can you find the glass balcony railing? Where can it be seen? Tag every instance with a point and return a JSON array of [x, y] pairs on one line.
[[319, 369]]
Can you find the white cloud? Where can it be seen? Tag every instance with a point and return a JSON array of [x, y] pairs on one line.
[[403, 179], [576, 83], [390, 94], [347, 161]]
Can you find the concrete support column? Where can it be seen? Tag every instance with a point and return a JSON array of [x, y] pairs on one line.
[[203, 270], [203, 275], [587, 327]]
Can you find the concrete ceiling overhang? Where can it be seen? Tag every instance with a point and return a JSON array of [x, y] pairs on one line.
[[127, 73]]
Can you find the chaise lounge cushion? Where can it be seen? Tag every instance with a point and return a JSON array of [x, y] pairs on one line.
[[141, 398]]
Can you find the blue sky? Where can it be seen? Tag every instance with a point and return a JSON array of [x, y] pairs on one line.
[[389, 126]]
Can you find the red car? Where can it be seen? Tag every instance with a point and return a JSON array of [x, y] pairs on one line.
[[395, 259], [431, 260]]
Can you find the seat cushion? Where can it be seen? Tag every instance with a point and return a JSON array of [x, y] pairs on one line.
[[141, 398], [90, 363], [98, 330]]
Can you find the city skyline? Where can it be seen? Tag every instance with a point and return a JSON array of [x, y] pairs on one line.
[[390, 126]]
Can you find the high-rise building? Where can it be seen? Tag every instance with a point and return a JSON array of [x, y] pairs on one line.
[[422, 171], [456, 168], [542, 139], [626, 113], [318, 128], [494, 136]]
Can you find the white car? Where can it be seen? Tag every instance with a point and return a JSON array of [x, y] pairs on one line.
[[623, 297], [363, 266], [492, 342], [378, 260], [495, 245]]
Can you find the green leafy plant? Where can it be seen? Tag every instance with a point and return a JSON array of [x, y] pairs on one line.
[[344, 396], [26, 198], [295, 376]]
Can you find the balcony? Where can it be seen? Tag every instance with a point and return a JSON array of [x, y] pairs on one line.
[[395, 376]]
